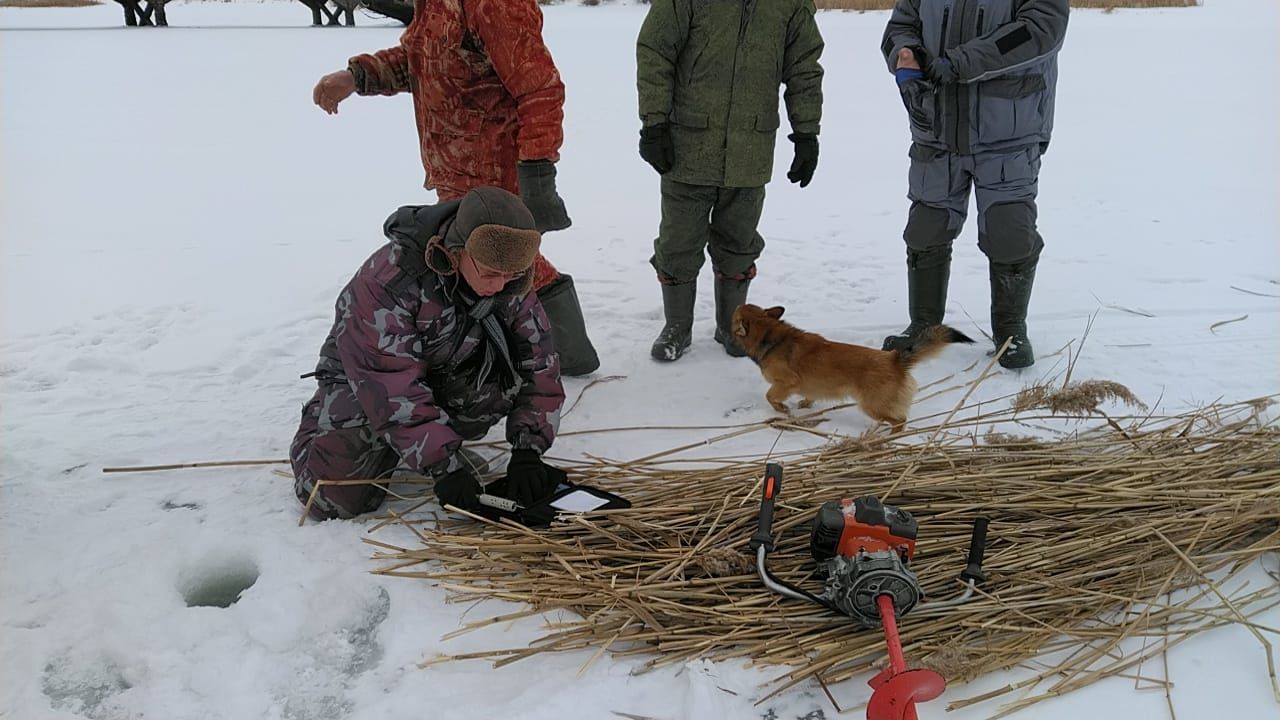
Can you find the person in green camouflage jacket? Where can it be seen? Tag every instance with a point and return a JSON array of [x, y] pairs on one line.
[[708, 74]]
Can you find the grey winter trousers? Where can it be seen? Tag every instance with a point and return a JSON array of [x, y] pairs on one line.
[[1005, 184], [701, 218]]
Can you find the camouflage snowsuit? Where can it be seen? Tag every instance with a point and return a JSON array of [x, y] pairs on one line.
[[408, 372], [486, 94]]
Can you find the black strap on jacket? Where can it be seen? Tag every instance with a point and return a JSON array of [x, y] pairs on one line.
[[408, 228]]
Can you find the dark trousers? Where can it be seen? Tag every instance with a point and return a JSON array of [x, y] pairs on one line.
[[701, 218]]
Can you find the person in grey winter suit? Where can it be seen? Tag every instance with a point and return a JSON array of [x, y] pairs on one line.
[[977, 78]]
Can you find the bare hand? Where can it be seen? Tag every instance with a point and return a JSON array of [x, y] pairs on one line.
[[333, 89], [907, 60]]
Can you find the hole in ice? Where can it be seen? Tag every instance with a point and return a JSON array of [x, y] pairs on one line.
[[218, 581]]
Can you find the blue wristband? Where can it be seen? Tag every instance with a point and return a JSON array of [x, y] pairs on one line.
[[906, 75]]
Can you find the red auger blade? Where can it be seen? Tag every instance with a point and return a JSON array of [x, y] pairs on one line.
[[895, 697], [896, 690]]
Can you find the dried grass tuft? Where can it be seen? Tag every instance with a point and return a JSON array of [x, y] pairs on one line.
[[1011, 441], [1261, 404], [870, 439], [725, 562], [1077, 399], [950, 662]]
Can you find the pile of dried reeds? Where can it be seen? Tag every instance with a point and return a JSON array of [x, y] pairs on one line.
[[1108, 545]]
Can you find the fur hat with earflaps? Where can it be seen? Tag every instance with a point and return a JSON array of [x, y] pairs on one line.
[[504, 248], [497, 229]]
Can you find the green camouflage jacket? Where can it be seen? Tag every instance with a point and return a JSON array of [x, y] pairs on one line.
[[712, 68]]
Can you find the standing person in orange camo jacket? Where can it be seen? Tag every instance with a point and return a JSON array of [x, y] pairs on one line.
[[489, 105]]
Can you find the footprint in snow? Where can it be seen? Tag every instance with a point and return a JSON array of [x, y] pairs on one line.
[[334, 661], [85, 686]]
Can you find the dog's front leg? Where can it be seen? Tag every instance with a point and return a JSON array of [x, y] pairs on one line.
[[782, 385], [777, 396]]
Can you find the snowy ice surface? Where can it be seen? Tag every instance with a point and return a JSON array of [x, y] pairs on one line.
[[177, 218]]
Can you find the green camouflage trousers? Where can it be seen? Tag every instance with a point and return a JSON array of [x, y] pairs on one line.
[[701, 218]]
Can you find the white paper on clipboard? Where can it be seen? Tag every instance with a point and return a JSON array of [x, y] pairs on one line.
[[579, 501]]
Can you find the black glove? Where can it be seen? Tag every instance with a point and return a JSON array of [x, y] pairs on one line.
[[941, 71], [918, 97], [806, 160], [656, 147], [538, 190], [459, 489], [529, 479]]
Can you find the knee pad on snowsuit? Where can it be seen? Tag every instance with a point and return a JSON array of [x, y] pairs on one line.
[[928, 227], [1011, 235]]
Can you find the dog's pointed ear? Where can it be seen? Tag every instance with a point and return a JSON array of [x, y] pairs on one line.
[[775, 312]]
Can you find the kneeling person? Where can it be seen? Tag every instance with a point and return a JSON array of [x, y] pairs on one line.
[[437, 338]]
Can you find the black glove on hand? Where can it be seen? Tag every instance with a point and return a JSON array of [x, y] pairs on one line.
[[941, 71], [917, 96], [806, 160], [529, 479], [459, 489], [538, 191], [656, 147]]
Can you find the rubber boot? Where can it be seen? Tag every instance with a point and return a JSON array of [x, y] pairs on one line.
[[1010, 295], [928, 273], [568, 329], [677, 334], [730, 293]]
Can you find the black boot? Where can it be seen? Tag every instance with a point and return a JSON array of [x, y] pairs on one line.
[[677, 334], [560, 302], [928, 272], [1010, 295], [730, 293]]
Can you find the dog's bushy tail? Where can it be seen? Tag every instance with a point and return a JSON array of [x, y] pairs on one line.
[[929, 343]]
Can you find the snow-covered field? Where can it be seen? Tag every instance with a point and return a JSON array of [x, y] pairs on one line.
[[177, 217]]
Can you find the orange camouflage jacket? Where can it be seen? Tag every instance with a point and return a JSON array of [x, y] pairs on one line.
[[486, 92]]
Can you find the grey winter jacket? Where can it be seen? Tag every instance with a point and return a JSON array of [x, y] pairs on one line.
[[1004, 53]]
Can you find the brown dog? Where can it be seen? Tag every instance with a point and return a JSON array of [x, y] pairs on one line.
[[795, 362]]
